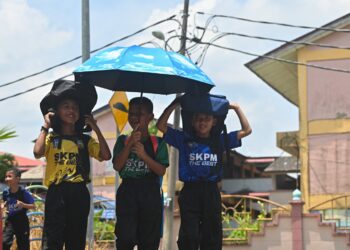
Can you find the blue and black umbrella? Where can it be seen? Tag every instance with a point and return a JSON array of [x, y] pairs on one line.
[[145, 70]]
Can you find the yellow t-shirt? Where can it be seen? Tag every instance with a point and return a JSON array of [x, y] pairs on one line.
[[61, 163]]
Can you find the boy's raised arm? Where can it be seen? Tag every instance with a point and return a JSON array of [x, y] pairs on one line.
[[105, 153], [39, 146], [163, 119], [246, 129]]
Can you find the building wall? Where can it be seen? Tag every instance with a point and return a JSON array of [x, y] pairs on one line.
[[324, 114], [103, 169]]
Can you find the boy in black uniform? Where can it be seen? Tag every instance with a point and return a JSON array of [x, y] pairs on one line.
[[141, 160], [17, 201], [67, 152]]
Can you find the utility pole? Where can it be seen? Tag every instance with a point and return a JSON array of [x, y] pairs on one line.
[[174, 154], [85, 37]]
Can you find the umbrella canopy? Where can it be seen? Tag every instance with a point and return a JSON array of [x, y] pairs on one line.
[[140, 69]]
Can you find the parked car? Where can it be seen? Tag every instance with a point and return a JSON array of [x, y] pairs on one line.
[[104, 207]]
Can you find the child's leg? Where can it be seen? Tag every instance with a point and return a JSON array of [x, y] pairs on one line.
[[190, 210], [78, 204], [21, 226], [211, 235], [7, 235], [126, 214], [150, 216], [55, 215]]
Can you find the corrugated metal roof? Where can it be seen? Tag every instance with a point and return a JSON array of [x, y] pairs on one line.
[[283, 165]]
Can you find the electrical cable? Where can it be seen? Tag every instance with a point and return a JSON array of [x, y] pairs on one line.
[[277, 59], [171, 18], [275, 23], [285, 41], [32, 89]]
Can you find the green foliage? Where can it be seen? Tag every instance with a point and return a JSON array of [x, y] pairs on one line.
[[7, 161], [103, 230], [152, 128], [6, 133], [245, 223]]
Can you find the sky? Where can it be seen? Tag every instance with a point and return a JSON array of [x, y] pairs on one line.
[[37, 34]]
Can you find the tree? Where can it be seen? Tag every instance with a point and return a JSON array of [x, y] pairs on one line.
[[6, 160]]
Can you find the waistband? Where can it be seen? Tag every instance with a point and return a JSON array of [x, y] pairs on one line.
[[140, 181], [200, 183], [66, 183]]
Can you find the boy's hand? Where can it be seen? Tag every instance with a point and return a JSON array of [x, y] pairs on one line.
[[135, 136], [89, 120], [19, 204], [139, 150], [47, 119], [234, 106], [177, 101]]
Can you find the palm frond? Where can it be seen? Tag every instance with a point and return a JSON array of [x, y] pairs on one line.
[[7, 133]]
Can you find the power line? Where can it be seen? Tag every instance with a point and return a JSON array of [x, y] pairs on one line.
[[276, 58], [171, 18], [32, 89], [274, 23], [284, 41], [45, 84]]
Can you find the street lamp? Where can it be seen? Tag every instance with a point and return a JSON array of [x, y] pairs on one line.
[[158, 34]]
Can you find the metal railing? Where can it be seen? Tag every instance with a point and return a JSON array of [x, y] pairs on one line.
[[243, 213], [335, 210]]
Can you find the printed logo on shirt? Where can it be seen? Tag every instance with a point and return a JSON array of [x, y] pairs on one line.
[[135, 165], [201, 155], [203, 159], [66, 158]]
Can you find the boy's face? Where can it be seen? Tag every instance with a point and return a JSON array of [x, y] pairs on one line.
[[68, 111], [11, 179], [138, 117], [202, 124]]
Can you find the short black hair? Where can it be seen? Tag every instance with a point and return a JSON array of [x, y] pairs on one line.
[[15, 171], [144, 102]]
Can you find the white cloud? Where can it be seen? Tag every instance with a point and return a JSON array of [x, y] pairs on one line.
[[26, 32]]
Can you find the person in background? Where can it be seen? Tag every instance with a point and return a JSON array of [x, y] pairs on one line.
[[17, 201]]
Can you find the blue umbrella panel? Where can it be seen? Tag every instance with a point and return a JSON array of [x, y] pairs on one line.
[[141, 69]]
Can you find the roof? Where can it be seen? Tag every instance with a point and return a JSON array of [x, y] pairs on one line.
[[283, 165], [26, 162], [102, 110], [260, 160], [35, 173], [282, 77]]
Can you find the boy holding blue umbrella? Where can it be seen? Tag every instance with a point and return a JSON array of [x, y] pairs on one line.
[[141, 160]]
